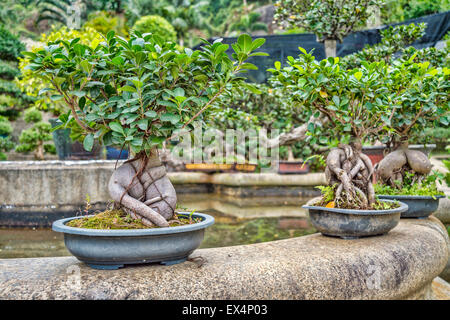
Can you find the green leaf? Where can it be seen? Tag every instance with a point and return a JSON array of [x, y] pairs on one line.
[[170, 117], [128, 89], [151, 114], [116, 126], [245, 42], [143, 124], [88, 142], [302, 50], [277, 65], [358, 75]]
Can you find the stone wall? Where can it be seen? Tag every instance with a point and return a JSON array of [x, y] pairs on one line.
[[399, 265]]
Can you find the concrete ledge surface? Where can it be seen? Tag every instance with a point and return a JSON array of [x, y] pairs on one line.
[[399, 265]]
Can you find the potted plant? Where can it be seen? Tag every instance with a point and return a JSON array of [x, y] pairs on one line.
[[136, 94], [355, 104], [396, 39], [36, 139], [421, 102]]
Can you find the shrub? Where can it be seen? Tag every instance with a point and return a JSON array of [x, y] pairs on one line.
[[36, 138], [5, 145], [104, 21], [32, 115], [5, 126], [156, 25], [10, 46]]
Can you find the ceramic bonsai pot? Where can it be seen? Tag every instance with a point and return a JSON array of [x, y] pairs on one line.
[[112, 249], [352, 224], [418, 206], [287, 167], [208, 167]]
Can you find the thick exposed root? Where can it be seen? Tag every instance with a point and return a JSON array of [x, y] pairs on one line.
[[394, 166], [143, 189], [352, 171]]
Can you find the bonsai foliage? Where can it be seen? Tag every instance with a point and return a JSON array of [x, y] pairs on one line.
[[34, 86], [12, 100], [137, 93], [270, 108], [393, 39], [327, 19], [36, 138]]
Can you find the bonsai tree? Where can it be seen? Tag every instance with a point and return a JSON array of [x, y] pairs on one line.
[[5, 145], [37, 137], [136, 94], [356, 104], [329, 20], [421, 102]]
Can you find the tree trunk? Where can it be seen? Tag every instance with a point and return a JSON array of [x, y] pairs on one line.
[[350, 171], [39, 152], [141, 187], [392, 169], [290, 153], [330, 48]]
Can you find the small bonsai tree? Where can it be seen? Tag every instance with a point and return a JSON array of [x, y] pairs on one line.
[[355, 103], [421, 102], [5, 127], [136, 93], [329, 20], [5, 145], [36, 138]]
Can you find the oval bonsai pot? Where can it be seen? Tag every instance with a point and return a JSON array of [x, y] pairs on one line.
[[112, 249], [418, 206], [352, 224]]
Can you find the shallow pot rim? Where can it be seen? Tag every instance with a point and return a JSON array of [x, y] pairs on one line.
[[410, 197], [403, 207], [60, 226]]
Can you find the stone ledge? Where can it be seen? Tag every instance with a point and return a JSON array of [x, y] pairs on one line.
[[399, 265]]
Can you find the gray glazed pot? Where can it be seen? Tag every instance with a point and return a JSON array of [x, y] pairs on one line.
[[112, 249], [352, 224], [418, 206]]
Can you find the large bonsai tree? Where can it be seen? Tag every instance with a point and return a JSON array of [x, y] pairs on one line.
[[136, 93], [329, 20]]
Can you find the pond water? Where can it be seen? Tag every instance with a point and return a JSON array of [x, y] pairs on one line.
[[238, 221]]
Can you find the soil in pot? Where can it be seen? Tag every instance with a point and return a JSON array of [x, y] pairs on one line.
[[119, 219]]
